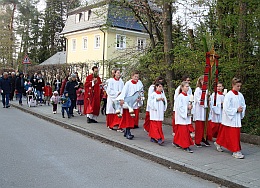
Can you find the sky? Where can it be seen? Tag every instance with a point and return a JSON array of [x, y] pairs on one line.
[[41, 5]]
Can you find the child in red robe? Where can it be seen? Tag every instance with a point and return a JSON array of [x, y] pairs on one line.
[[182, 136], [157, 103], [234, 107]]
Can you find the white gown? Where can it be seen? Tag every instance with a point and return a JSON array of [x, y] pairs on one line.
[[129, 89], [113, 88], [181, 110], [199, 112], [230, 116], [177, 92], [216, 111], [157, 108]]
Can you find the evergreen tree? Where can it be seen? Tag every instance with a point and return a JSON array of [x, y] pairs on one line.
[[54, 19], [28, 29]]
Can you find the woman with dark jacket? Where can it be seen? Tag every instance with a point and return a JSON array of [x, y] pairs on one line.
[[71, 87], [19, 87]]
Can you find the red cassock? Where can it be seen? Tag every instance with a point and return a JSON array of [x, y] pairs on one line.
[[215, 129], [199, 131], [136, 112], [229, 137], [182, 136], [156, 131], [147, 121], [112, 120], [92, 96], [209, 131], [127, 121]]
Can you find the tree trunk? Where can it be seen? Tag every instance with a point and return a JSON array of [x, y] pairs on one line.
[[191, 37], [242, 32], [168, 46]]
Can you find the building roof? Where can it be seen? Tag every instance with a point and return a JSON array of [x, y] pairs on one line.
[[56, 59], [101, 14]]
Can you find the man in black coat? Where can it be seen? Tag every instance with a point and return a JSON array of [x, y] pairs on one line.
[[5, 89], [39, 87], [71, 87], [19, 87], [12, 80]]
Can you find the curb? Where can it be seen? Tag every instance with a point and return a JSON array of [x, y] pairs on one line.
[[137, 151]]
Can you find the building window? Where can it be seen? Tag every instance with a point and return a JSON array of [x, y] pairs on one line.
[[87, 15], [85, 43], [78, 17], [141, 43], [97, 41], [74, 44], [120, 41]]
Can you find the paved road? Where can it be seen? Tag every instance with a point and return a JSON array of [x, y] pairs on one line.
[[36, 153]]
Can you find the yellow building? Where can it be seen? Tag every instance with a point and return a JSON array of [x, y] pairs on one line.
[[102, 34]]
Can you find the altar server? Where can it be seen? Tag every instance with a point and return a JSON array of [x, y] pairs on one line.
[[199, 114], [147, 114], [128, 122], [233, 111], [216, 111], [157, 103], [185, 78], [114, 88], [182, 136]]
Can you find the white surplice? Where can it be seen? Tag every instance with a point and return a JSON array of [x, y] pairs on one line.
[[230, 116], [114, 87], [157, 108]]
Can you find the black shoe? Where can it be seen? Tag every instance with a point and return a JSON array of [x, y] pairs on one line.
[[71, 115], [153, 140], [160, 142], [127, 132], [205, 142], [129, 137], [63, 116], [7, 106], [88, 120], [136, 127], [188, 150], [198, 145], [93, 121]]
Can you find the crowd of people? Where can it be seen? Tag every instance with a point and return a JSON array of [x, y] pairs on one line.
[[223, 122]]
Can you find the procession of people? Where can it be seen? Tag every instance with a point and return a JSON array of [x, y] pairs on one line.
[[123, 102]]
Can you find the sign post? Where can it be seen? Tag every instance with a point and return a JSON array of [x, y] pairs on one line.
[[26, 61]]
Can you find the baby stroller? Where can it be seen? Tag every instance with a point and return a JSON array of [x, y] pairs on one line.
[[31, 98]]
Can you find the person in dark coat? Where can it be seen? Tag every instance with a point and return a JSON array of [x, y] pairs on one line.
[[71, 87], [19, 87], [5, 89], [57, 84], [12, 80], [39, 87], [33, 80]]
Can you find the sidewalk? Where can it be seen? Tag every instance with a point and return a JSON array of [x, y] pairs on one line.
[[205, 162]]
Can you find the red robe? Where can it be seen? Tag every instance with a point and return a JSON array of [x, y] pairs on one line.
[[156, 131], [147, 121], [92, 96], [182, 136], [229, 137]]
